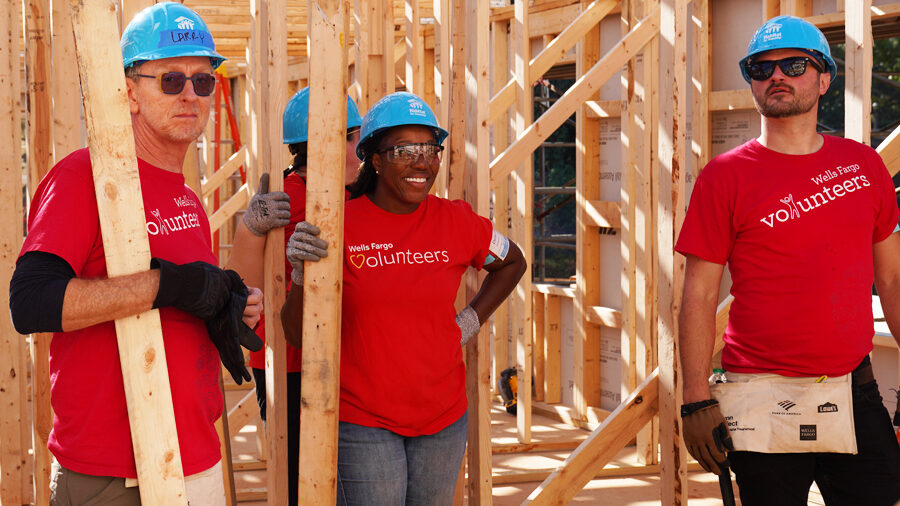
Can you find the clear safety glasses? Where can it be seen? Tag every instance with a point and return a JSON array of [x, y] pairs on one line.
[[410, 153]]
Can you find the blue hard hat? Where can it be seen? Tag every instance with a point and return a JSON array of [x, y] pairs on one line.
[[789, 32], [295, 120], [396, 109], [167, 30]]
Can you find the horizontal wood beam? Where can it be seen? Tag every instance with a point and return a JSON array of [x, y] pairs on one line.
[[603, 108], [242, 413], [601, 446], [545, 446], [584, 88], [570, 416], [561, 291], [603, 213], [731, 100], [604, 316], [837, 18], [611, 471]]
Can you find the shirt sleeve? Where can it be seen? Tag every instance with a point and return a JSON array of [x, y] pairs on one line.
[[63, 219], [887, 211], [481, 231], [708, 231]]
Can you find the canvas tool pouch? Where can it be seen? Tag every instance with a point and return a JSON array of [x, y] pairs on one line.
[[769, 413]]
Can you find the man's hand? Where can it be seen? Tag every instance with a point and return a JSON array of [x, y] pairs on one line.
[[304, 245], [254, 308], [267, 210], [198, 288], [706, 435]]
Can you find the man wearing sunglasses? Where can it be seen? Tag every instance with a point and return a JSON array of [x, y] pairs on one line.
[[798, 217], [61, 285]]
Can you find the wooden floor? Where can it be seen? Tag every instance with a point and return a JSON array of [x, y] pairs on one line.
[[635, 489]]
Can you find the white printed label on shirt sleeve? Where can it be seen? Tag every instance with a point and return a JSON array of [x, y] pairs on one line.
[[499, 245]]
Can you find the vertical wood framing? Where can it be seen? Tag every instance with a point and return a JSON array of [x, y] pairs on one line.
[[442, 78], [670, 210], [362, 31], [587, 265], [14, 431], [268, 83], [65, 92], [224, 432], [320, 384], [858, 71], [131, 7], [499, 74], [387, 47], [375, 78], [539, 326], [456, 164], [477, 184], [413, 65], [127, 249], [701, 77], [522, 231], [552, 350]]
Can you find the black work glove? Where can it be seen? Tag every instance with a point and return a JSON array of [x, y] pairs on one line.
[[228, 331], [706, 435], [198, 288]]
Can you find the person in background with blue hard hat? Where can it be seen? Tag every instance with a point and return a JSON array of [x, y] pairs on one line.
[[403, 402], [805, 223], [60, 284], [269, 210]]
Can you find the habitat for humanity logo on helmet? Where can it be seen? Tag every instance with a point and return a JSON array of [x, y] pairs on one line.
[[375, 255], [772, 32], [416, 108], [184, 23]]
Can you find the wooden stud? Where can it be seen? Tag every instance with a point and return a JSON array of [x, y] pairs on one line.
[[587, 270], [670, 165], [889, 149], [320, 386], [361, 47], [701, 79], [442, 53], [14, 429], [387, 49], [455, 164], [65, 92], [127, 249], [478, 354], [413, 65], [224, 433], [268, 89], [131, 7], [602, 445], [858, 71], [583, 88], [552, 350], [539, 326], [522, 183]]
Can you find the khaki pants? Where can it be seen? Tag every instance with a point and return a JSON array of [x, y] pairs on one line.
[[68, 488]]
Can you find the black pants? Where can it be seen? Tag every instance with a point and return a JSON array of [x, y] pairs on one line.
[[870, 478], [293, 424]]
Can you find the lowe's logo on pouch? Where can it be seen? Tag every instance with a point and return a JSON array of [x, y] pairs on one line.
[[828, 407], [415, 108], [772, 32], [184, 23]]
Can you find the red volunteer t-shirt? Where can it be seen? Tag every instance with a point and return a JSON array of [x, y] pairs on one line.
[[295, 187], [796, 232], [90, 426], [401, 361]]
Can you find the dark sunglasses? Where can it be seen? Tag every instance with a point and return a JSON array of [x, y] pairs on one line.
[[410, 153], [171, 83], [793, 66]]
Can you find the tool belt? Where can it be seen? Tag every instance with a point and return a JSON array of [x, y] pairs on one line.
[[770, 413]]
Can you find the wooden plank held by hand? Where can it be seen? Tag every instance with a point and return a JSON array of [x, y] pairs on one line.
[[122, 223]]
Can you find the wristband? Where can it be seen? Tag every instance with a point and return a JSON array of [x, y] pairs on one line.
[[693, 407]]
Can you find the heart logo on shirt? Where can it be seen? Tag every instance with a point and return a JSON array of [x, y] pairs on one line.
[[358, 260]]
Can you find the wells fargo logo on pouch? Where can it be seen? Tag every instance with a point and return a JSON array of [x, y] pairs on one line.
[[828, 407], [808, 433], [376, 255]]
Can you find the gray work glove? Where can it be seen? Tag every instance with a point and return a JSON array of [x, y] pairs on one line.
[[267, 210], [468, 323], [304, 245]]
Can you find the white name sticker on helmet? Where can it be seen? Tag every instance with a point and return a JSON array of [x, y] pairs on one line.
[[499, 245]]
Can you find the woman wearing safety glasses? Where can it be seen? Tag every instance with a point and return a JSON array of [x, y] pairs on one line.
[[269, 210], [403, 403]]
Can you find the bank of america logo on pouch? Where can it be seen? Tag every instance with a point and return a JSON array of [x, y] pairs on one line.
[[184, 23], [787, 405]]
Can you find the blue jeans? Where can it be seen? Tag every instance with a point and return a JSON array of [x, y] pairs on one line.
[[870, 478], [380, 468]]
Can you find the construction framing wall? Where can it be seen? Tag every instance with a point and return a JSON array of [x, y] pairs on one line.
[[656, 96]]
